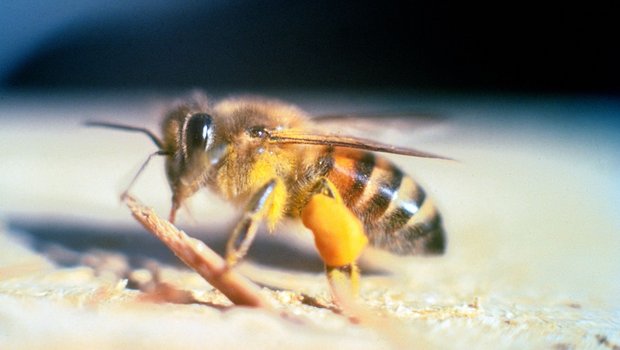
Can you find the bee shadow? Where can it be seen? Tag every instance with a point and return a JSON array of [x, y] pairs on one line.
[[68, 243]]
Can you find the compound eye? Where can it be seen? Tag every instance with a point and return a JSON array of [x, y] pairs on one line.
[[199, 132]]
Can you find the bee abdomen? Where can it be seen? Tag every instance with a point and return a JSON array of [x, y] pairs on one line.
[[423, 233], [396, 212], [410, 224]]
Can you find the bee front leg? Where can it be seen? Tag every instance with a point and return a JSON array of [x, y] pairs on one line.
[[257, 209], [338, 234]]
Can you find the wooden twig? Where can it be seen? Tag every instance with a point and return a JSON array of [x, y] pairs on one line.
[[199, 257]]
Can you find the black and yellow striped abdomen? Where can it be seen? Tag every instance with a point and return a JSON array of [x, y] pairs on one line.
[[396, 213]]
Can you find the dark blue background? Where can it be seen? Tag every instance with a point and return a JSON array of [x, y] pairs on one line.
[[514, 47]]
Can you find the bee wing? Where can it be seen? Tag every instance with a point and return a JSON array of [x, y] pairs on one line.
[[398, 127], [376, 118], [293, 136], [373, 124]]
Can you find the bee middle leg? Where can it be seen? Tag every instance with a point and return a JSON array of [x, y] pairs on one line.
[[338, 234], [244, 233]]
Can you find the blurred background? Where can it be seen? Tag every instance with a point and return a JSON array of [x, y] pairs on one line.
[[466, 47]]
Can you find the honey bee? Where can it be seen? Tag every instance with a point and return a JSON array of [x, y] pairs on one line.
[[276, 162]]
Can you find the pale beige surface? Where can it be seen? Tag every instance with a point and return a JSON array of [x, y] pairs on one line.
[[530, 209]]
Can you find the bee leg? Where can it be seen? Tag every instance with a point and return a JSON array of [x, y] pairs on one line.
[[345, 277], [338, 235], [244, 233]]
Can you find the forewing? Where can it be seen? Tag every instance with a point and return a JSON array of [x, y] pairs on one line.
[[302, 137], [384, 126]]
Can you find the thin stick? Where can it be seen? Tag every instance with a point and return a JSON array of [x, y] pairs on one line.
[[199, 257]]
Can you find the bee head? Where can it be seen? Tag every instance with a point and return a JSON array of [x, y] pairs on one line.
[[189, 144], [191, 153]]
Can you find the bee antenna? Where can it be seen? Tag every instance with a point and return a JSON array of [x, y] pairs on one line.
[[156, 140], [135, 177]]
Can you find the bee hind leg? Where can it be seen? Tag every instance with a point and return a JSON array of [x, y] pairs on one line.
[[338, 235], [344, 278]]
